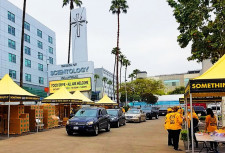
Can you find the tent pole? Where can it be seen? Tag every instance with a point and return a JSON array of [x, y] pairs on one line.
[[187, 124], [38, 118], [192, 128], [8, 116], [217, 115], [70, 110]]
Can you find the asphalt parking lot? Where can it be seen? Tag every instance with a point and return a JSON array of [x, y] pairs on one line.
[[145, 137]]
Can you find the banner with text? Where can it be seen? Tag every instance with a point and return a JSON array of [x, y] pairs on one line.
[[83, 84]]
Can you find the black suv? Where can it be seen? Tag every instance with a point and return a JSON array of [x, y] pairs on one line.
[[117, 117], [90, 120], [151, 112]]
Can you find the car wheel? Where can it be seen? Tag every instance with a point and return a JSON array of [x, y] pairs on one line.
[[118, 124], [157, 116], [96, 130], [150, 117], [108, 128], [69, 133]]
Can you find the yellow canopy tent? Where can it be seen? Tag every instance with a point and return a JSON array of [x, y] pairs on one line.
[[11, 92], [211, 84], [105, 101], [78, 95], [62, 96]]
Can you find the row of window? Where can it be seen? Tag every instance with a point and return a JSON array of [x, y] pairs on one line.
[[12, 74], [11, 17], [12, 58], [27, 51], [12, 44]]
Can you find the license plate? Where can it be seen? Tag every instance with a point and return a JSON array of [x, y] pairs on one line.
[[75, 127], [163, 113]]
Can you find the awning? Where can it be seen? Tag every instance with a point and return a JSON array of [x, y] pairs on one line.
[[105, 101], [78, 95], [61, 96], [10, 91], [209, 84]]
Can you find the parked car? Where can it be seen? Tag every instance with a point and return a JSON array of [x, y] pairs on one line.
[[90, 120], [135, 115], [162, 111], [200, 110], [117, 117], [151, 112]]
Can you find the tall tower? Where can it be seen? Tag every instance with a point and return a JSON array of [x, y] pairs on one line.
[[79, 35]]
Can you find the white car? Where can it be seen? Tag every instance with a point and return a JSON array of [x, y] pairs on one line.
[[135, 115]]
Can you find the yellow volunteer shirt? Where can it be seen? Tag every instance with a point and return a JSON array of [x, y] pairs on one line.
[[175, 121], [212, 123], [167, 121]]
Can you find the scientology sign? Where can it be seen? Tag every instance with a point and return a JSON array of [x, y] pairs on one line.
[[71, 71]]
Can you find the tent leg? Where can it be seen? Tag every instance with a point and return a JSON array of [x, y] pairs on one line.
[[70, 109], [192, 128], [8, 116], [38, 118], [187, 124]]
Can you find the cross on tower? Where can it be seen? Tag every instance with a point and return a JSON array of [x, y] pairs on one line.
[[78, 22]]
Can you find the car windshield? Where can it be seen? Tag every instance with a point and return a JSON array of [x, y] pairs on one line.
[[112, 112], [86, 113], [133, 111]]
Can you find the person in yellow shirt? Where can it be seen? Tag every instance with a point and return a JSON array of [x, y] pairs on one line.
[[167, 126], [176, 124], [195, 125], [211, 126]]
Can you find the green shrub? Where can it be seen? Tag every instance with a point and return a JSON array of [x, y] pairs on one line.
[[183, 135]]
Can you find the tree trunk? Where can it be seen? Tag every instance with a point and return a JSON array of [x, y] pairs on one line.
[[103, 89], [22, 44], [69, 39], [95, 86], [114, 79], [117, 60], [120, 73], [126, 84]]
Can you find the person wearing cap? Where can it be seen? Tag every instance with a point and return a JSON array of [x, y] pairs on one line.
[[167, 126], [195, 125], [176, 121]]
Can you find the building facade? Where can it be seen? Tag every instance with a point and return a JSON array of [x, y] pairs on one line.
[[105, 88], [39, 47], [172, 81]]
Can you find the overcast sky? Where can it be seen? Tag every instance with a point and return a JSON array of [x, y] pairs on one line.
[[148, 35]]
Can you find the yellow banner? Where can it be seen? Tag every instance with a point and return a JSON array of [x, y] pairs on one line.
[[83, 84]]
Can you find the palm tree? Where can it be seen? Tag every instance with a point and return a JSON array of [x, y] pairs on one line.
[[118, 6], [121, 59], [114, 51], [132, 75], [135, 72], [109, 83], [126, 63], [22, 44], [104, 80], [96, 76], [78, 3]]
